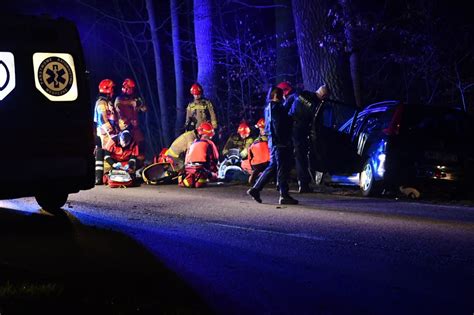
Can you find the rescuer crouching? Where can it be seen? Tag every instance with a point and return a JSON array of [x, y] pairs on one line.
[[120, 154], [201, 159]]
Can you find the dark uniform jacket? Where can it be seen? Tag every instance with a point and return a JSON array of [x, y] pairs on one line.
[[279, 125]]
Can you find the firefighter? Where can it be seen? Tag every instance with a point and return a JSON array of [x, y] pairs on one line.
[[179, 147], [199, 110], [128, 106], [240, 140], [201, 159], [121, 153], [259, 154], [106, 124], [301, 111], [278, 128]]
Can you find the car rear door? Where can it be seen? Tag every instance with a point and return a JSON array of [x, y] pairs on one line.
[[332, 149]]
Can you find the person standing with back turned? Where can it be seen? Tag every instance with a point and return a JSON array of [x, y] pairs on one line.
[[278, 129]]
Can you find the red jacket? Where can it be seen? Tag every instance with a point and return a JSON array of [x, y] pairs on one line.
[[259, 152], [203, 151], [119, 154]]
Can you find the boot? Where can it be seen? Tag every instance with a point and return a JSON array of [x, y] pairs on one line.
[[255, 194], [98, 177], [287, 200]]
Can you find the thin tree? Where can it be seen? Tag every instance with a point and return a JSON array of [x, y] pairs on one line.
[[159, 72], [178, 67]]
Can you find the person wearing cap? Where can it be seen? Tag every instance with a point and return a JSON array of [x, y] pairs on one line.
[[199, 110]]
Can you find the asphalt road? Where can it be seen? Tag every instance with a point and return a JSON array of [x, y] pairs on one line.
[[334, 253]]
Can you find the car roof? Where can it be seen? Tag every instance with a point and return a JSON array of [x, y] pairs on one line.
[[372, 108]]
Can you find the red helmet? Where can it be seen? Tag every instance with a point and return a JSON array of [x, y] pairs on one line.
[[205, 128], [286, 87], [106, 86], [243, 130], [128, 86], [260, 123], [196, 89]]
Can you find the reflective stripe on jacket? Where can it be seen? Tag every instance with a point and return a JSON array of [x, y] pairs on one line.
[[201, 110]]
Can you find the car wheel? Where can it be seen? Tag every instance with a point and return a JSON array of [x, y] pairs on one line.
[[368, 185], [51, 202]]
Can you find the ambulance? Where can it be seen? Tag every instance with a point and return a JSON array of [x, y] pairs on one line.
[[46, 126]]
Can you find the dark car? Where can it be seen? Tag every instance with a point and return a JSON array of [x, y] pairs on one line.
[[392, 144], [45, 111]]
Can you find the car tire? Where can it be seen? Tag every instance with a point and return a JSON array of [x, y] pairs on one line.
[[51, 202], [369, 187]]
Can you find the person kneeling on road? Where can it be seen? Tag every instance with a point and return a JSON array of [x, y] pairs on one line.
[[121, 153], [201, 159]]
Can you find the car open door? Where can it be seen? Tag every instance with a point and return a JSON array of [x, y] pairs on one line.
[[332, 149]]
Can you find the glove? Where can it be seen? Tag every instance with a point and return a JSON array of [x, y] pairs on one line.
[[117, 165], [126, 167]]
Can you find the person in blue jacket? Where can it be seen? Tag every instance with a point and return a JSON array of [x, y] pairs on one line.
[[278, 130]]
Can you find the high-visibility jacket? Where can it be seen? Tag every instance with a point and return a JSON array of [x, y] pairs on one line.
[[181, 144], [105, 116], [116, 153], [203, 151], [200, 111], [259, 152], [235, 141]]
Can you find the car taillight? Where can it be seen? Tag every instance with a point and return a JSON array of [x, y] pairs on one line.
[[394, 126]]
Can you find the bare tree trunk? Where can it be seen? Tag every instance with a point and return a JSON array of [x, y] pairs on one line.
[[178, 68], [353, 49], [159, 72], [318, 64], [204, 36], [285, 53]]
